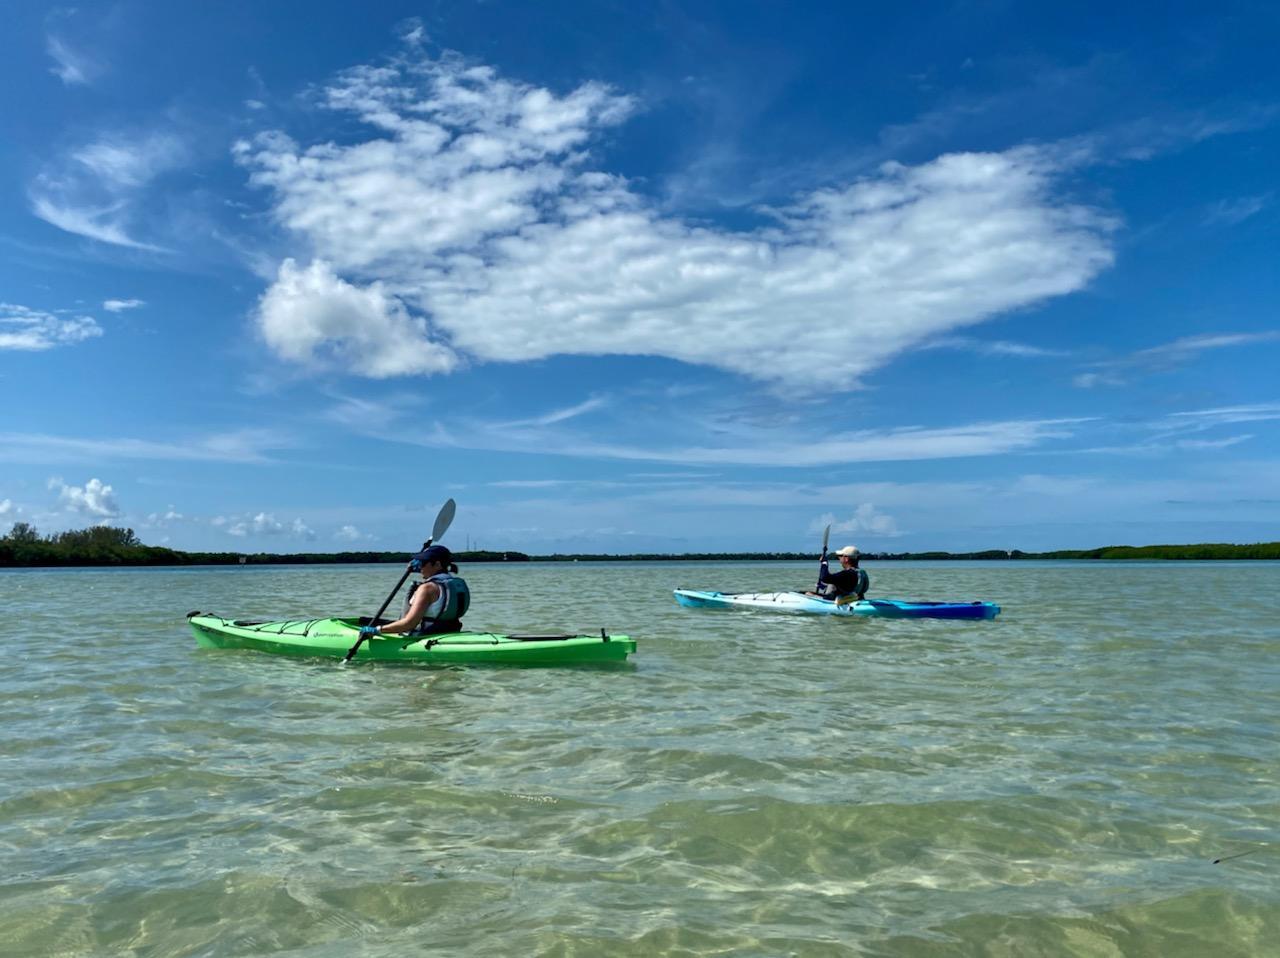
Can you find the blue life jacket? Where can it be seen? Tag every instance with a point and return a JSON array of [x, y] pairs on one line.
[[455, 599]]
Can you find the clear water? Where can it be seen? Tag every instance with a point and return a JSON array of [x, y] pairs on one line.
[[1056, 782]]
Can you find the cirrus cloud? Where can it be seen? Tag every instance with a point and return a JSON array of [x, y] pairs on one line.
[[96, 189]]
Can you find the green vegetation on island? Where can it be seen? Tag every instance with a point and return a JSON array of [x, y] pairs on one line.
[[23, 546]]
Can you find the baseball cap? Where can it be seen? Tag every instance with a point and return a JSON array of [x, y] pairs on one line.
[[434, 554]]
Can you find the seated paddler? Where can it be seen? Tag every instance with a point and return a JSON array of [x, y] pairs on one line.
[[435, 604], [849, 583]]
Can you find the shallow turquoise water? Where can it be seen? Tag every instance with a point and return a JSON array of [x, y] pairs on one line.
[[1056, 782]]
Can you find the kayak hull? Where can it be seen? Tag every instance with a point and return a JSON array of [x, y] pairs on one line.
[[799, 603], [333, 637]]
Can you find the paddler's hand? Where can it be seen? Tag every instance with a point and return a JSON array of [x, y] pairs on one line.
[[368, 631]]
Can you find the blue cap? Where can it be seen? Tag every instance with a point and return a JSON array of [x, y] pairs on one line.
[[433, 554]]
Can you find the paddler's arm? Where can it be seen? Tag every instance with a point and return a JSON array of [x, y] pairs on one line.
[[423, 596], [824, 575]]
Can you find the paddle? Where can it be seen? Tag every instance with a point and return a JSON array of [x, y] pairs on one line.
[[826, 537], [443, 521]]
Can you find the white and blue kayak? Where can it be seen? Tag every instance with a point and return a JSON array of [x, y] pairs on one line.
[[798, 602]]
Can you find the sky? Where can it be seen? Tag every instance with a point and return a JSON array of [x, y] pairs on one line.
[[653, 277]]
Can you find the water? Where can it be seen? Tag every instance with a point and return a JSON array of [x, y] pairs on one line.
[[1056, 782]]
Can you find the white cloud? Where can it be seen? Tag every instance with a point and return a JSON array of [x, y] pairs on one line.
[[780, 447], [93, 191], [34, 330], [6, 507], [473, 206], [262, 524], [120, 305], [562, 415], [993, 347], [1169, 433], [1090, 380], [866, 518], [1199, 419], [1231, 212], [71, 66], [1167, 356], [349, 533], [94, 498], [160, 519], [310, 315], [246, 445], [91, 222]]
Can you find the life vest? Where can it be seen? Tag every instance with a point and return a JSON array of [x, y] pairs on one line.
[[446, 612], [864, 583], [831, 591]]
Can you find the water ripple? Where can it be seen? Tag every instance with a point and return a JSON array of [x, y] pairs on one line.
[[1057, 781]]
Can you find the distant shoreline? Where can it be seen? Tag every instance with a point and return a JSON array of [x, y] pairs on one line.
[[107, 546]]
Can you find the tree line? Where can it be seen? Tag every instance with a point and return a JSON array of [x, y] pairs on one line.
[[109, 545], [112, 546]]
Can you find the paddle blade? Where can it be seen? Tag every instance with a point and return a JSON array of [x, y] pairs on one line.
[[444, 520], [826, 537]]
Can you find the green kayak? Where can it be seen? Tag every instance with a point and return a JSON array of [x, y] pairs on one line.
[[331, 638]]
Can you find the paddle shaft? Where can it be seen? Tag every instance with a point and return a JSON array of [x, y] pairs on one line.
[[377, 615]]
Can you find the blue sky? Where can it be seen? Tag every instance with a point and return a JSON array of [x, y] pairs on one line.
[[621, 277]]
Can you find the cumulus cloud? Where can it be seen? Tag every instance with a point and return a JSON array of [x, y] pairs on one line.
[[866, 518], [472, 224], [94, 190], [348, 534], [94, 498], [262, 524], [34, 329], [164, 518], [312, 315]]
